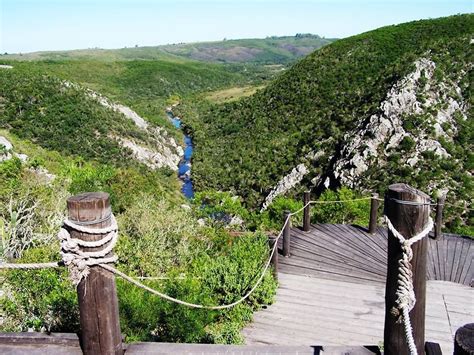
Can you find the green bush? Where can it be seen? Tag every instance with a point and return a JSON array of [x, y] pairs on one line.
[[39, 299], [356, 212]]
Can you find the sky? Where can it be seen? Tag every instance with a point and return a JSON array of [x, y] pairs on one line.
[[34, 25]]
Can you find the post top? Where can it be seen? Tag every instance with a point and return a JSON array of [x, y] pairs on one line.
[[89, 206], [407, 191], [87, 197]]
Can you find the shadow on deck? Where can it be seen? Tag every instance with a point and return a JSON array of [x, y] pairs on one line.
[[348, 253]]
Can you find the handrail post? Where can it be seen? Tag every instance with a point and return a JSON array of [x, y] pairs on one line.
[[96, 293], [274, 260], [286, 234], [374, 206], [306, 212], [463, 344], [439, 216], [408, 219]]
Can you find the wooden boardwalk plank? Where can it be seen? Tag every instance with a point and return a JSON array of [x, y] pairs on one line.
[[340, 298]]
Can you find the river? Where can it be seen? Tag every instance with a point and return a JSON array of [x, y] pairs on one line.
[[184, 167]]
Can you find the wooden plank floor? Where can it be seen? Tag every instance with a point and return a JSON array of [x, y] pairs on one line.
[[316, 311], [349, 253], [331, 289]]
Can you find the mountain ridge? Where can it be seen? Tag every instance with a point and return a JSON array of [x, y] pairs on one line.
[[304, 117], [269, 50]]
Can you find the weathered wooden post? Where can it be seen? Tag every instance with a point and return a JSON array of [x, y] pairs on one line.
[[374, 206], [306, 211], [286, 234], [439, 215], [464, 340], [408, 210], [97, 294], [274, 260]]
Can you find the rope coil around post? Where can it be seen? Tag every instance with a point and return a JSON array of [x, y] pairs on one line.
[[405, 293], [79, 261]]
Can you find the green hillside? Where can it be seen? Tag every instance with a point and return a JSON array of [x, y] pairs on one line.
[[313, 113], [59, 138], [270, 50]]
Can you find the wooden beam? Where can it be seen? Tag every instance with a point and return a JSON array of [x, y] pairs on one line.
[[274, 261], [464, 340], [439, 216], [408, 209], [374, 206], [306, 212], [286, 234], [432, 349], [97, 294]]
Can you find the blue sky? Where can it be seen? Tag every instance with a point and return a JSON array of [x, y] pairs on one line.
[[32, 25]]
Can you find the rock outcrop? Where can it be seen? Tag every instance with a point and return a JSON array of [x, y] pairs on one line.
[[161, 151], [374, 139], [286, 184]]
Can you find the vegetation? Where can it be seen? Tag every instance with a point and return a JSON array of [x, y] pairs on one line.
[[270, 50], [247, 146], [69, 139], [158, 238]]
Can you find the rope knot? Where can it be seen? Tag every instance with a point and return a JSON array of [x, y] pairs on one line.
[[405, 292], [76, 258]]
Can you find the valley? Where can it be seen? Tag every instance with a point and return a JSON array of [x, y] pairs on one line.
[[202, 148]]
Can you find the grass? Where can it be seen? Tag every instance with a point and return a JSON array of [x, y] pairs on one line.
[[232, 94]]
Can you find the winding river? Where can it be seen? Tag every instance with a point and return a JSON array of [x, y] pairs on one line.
[[184, 167]]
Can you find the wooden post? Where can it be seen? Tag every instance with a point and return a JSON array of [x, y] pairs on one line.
[[274, 260], [432, 349], [439, 216], [374, 205], [97, 294], [408, 219], [286, 234], [306, 211], [464, 340]]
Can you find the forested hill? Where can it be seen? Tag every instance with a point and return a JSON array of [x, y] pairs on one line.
[[389, 105], [270, 50]]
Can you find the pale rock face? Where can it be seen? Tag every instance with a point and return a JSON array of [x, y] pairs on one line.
[[5, 143], [22, 157], [286, 184], [152, 158], [236, 221], [385, 131], [43, 174], [166, 151], [6, 149]]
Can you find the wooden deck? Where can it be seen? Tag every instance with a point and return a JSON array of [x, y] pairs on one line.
[[348, 253], [332, 290]]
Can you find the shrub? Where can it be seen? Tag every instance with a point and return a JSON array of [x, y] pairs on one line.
[[356, 212], [39, 299]]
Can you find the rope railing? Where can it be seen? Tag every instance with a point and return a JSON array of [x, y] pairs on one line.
[[78, 261], [74, 259]]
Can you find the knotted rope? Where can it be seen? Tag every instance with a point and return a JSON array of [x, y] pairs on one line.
[[405, 293], [79, 261]]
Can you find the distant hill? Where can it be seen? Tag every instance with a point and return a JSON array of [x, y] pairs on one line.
[[270, 50], [389, 105]]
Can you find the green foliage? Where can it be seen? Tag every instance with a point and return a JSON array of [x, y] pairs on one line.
[[270, 50], [219, 273], [246, 146], [219, 207], [356, 212], [40, 299], [273, 216]]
